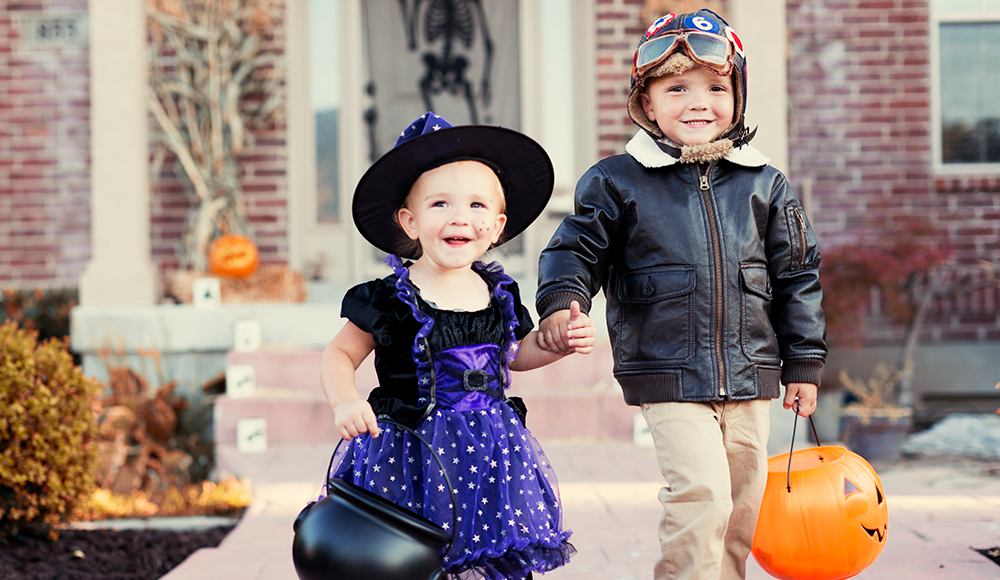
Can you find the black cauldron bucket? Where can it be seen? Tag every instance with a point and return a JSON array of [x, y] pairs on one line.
[[354, 534]]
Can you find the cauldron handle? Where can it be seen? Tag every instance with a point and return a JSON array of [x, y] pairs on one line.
[[791, 449], [444, 472]]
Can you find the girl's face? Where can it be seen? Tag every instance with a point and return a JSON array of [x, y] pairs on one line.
[[456, 213], [691, 108]]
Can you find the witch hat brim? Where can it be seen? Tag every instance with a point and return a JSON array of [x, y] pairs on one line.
[[525, 172]]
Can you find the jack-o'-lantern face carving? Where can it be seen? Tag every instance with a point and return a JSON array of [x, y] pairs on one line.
[[825, 518], [872, 513], [233, 255]]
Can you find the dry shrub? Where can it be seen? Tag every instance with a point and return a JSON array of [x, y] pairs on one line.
[[227, 498], [138, 448]]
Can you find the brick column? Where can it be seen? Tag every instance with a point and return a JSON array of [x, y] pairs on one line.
[[120, 271]]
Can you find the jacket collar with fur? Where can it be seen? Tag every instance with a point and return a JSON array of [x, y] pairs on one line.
[[647, 151]]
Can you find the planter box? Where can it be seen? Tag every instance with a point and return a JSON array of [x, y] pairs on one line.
[[875, 434]]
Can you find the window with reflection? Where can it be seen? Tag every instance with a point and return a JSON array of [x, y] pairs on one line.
[[970, 92]]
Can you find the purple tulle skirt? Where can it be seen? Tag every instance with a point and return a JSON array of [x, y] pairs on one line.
[[506, 520]]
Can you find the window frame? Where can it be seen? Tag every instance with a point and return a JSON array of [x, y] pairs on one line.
[[936, 19]]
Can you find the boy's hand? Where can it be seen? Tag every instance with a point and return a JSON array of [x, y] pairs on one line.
[[354, 416], [553, 332], [581, 334], [806, 394]]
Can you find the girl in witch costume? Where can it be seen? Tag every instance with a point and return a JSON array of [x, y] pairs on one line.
[[446, 330]]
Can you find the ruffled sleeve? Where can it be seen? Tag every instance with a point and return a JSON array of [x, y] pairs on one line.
[[370, 306], [525, 325]]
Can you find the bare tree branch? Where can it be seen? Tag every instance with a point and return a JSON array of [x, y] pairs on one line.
[[209, 82], [175, 142]]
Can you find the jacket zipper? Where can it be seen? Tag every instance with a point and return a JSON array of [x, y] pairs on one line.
[[717, 268], [802, 236]]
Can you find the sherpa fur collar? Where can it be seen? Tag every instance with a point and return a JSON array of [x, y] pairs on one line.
[[645, 150]]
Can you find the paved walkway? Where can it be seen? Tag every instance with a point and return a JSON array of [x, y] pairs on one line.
[[938, 512]]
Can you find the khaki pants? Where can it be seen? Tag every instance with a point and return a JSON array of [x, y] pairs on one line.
[[713, 457]]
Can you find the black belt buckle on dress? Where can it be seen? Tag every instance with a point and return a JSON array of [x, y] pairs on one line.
[[475, 380]]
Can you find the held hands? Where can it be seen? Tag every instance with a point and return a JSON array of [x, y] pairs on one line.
[[354, 416], [567, 331], [801, 396]]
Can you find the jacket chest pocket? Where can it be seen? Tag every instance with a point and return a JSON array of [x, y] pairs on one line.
[[757, 336], [655, 316]]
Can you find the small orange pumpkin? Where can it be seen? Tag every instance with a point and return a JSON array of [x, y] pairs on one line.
[[830, 526], [233, 255]]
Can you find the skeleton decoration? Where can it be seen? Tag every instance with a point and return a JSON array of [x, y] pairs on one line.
[[454, 23]]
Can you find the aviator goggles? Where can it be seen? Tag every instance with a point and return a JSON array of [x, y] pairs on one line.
[[705, 48]]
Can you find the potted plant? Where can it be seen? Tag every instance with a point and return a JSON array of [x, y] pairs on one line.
[[895, 274], [874, 425]]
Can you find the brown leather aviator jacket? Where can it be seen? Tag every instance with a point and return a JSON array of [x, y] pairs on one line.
[[711, 274]]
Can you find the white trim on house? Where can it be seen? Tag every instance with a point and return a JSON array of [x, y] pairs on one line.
[[121, 270], [762, 26], [339, 244]]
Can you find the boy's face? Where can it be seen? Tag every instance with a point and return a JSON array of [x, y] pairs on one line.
[[691, 108], [456, 213]]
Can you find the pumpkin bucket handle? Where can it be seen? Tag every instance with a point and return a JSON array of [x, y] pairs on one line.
[[795, 422]]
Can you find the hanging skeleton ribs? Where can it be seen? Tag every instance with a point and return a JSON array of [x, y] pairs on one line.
[[453, 22]]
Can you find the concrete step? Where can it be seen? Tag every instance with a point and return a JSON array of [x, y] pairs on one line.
[[574, 398], [296, 369]]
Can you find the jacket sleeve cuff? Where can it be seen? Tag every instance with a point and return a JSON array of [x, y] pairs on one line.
[[802, 371], [550, 303]]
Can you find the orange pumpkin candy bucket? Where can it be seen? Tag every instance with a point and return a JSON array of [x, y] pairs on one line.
[[824, 515]]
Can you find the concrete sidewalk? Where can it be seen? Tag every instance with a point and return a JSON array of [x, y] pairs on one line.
[[938, 511]]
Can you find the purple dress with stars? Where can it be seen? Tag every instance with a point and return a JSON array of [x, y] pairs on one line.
[[444, 373]]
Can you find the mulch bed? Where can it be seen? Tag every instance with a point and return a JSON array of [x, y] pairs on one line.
[[144, 554]]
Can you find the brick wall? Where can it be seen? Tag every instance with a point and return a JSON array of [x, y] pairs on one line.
[[45, 163], [860, 143], [620, 24], [44, 151]]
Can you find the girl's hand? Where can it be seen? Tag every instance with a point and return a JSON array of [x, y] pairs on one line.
[[581, 334], [805, 393], [354, 416]]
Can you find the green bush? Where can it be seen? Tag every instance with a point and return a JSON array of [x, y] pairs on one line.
[[48, 426]]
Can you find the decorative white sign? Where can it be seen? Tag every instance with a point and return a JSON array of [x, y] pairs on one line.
[[246, 336], [206, 293], [640, 432], [251, 435], [241, 381]]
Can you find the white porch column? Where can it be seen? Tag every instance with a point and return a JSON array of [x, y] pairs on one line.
[[761, 24], [120, 271]]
